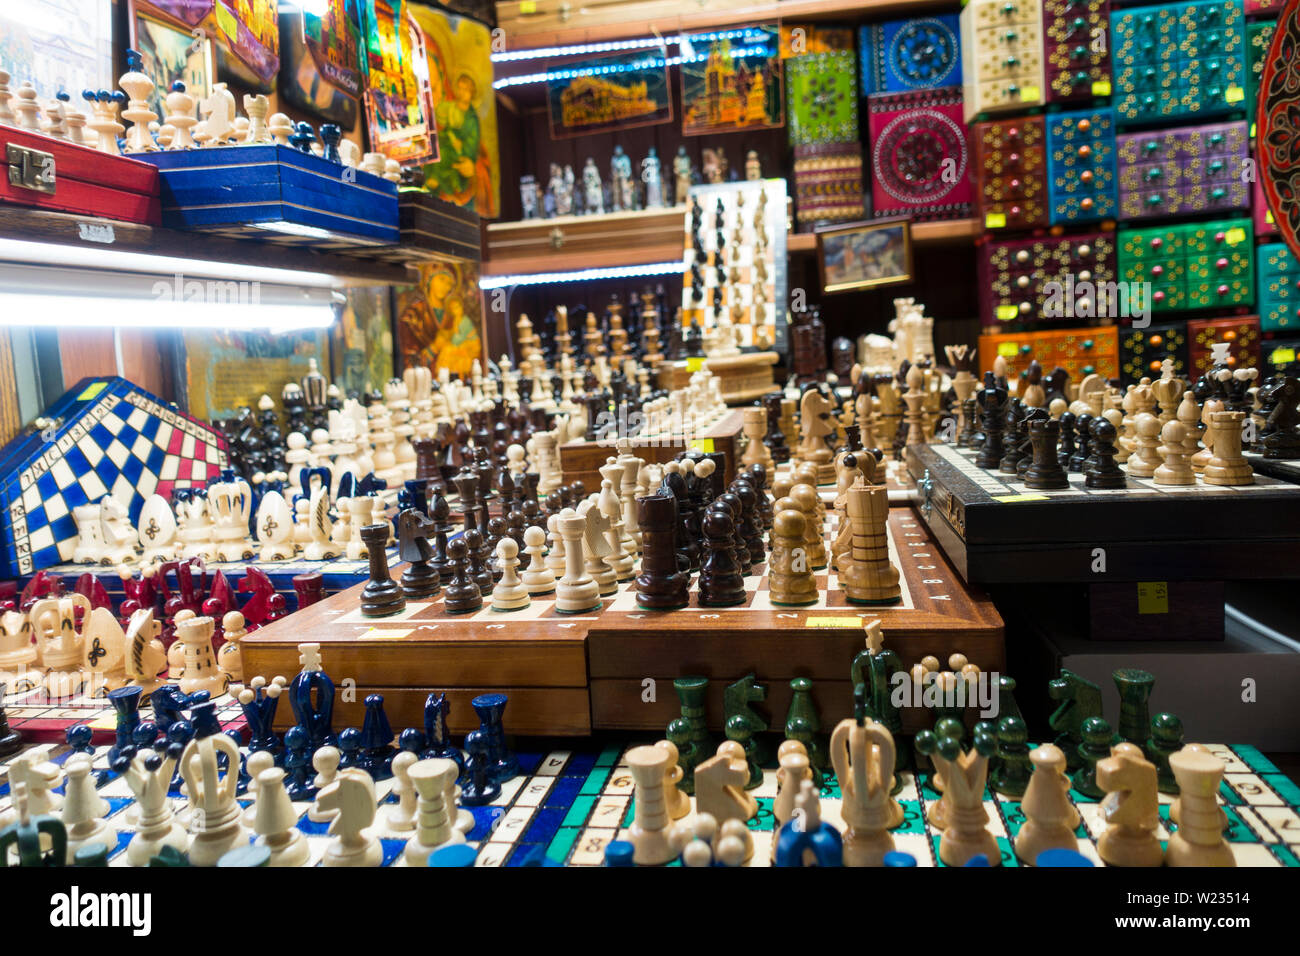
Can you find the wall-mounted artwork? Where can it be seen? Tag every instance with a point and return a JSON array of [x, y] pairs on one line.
[[57, 45], [440, 321], [320, 67], [363, 341], [731, 81], [245, 33], [399, 103], [225, 371], [169, 53], [611, 92], [467, 171]]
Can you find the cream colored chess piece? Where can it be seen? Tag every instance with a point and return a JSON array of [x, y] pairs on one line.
[[815, 423], [60, 643], [863, 757], [677, 802], [118, 535], [229, 504], [966, 832], [351, 798], [146, 658], [401, 815], [256, 107], [16, 650], [280, 128], [215, 820], [200, 671], [230, 658], [649, 832], [139, 88], [538, 578], [156, 531], [1199, 839], [218, 115], [1130, 808], [1050, 817], [1176, 468], [720, 784], [756, 452], [156, 825], [325, 761], [275, 528], [83, 809], [435, 825], [576, 591], [1226, 466], [103, 655], [27, 108], [320, 547], [275, 821], [180, 117], [510, 593], [6, 114]]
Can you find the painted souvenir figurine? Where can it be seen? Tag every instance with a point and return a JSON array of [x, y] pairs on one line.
[[528, 196], [651, 176], [592, 192], [681, 175], [753, 169], [620, 171], [561, 189]]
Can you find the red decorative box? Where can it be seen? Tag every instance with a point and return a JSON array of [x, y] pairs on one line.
[[1241, 332], [1010, 163], [61, 176], [919, 155], [1264, 224]]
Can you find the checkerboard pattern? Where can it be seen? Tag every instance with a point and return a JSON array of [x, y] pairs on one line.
[[45, 720], [107, 437], [570, 803]]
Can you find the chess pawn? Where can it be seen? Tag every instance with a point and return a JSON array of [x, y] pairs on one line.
[[863, 757], [510, 593], [538, 578], [27, 108], [139, 87], [149, 776], [275, 821], [229, 658], [200, 671], [1176, 469], [180, 117], [280, 128], [83, 808], [1145, 458], [325, 761], [6, 114], [1050, 817], [57, 112], [374, 164]]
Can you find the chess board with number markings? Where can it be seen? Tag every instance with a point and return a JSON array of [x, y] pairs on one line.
[[43, 720]]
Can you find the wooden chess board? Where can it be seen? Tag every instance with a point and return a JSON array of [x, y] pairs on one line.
[[995, 529], [568, 674], [571, 801], [42, 720]]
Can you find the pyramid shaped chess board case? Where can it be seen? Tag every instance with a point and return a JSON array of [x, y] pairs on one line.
[[276, 194], [64, 177], [105, 436]]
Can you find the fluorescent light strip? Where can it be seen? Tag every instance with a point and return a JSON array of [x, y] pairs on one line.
[[531, 78], [583, 275], [90, 257], [640, 43], [27, 309]]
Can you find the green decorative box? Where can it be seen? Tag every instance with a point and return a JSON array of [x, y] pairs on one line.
[[822, 98], [1198, 265]]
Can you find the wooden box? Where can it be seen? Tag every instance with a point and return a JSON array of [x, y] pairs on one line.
[[64, 177], [1002, 56], [1078, 67], [431, 228], [915, 54], [1009, 158], [1183, 172], [1014, 275], [581, 460], [919, 156], [744, 377], [565, 243], [1197, 265], [1081, 166], [1241, 332], [1143, 351], [1079, 351], [1278, 275], [276, 194]]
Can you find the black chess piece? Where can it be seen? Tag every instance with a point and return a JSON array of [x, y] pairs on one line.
[[479, 572], [1282, 422], [722, 584], [661, 585], [1104, 473], [297, 764], [758, 481], [1012, 423], [439, 511], [1065, 446], [461, 594], [420, 579], [1082, 442], [734, 507], [1045, 472], [1026, 443], [479, 788], [992, 400], [751, 525], [381, 596]]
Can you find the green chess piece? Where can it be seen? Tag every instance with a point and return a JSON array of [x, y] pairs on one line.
[[803, 725], [874, 667], [1166, 739], [1007, 706], [1097, 740], [1080, 699], [1135, 687], [25, 835], [169, 856], [91, 854], [1011, 766], [690, 731], [743, 723]]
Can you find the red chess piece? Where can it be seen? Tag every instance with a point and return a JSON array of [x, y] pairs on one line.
[[310, 588], [90, 587], [262, 606]]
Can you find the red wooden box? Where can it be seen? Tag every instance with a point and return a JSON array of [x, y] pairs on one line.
[[83, 180]]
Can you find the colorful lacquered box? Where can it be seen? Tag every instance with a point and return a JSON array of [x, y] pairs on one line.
[[822, 98], [1142, 351], [1081, 166], [1018, 277], [1263, 216], [1198, 265], [1179, 172], [1259, 34], [1080, 351], [1279, 288], [1002, 66], [1009, 159], [1179, 61], [920, 53], [1240, 332], [1076, 49], [918, 154]]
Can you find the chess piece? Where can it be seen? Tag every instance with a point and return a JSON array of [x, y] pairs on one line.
[[139, 87], [650, 832], [1226, 466], [83, 809], [1045, 472], [381, 596], [862, 754], [537, 578], [200, 671], [1199, 839], [677, 802], [218, 115], [867, 575], [720, 785], [807, 840], [435, 825], [790, 571], [510, 593], [1103, 471], [576, 592], [1050, 817], [1176, 468], [965, 833], [461, 594], [215, 822], [1130, 809], [6, 114], [149, 777], [351, 800], [275, 821], [1145, 458]]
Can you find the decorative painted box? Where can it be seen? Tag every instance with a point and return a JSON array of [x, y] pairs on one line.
[[1002, 56], [1264, 8], [104, 436], [1009, 159], [916, 54], [1199, 265], [1143, 350], [1077, 49], [1240, 332], [259, 191], [1180, 61], [1081, 166], [1178, 172], [827, 184], [63, 177], [1259, 34], [1279, 288], [822, 98], [1280, 356], [1263, 216], [918, 154], [1080, 352], [1017, 273]]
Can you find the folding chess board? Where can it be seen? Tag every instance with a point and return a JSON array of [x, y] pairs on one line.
[[105, 436], [568, 674], [42, 720], [995, 529], [570, 802]]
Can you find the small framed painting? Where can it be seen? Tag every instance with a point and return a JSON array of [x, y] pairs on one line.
[[57, 45], [169, 53], [863, 255]]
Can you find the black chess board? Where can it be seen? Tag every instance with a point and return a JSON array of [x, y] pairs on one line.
[[995, 530]]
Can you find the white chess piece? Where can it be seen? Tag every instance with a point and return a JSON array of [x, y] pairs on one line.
[[6, 114], [275, 528], [157, 530], [538, 578], [435, 826], [275, 821], [139, 88], [280, 128], [401, 815], [118, 535], [510, 593], [320, 547], [351, 799], [218, 115], [325, 761], [149, 777], [27, 108], [83, 809], [90, 541], [359, 511], [256, 106], [215, 820]]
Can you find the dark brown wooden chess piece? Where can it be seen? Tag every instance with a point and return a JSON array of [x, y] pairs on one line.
[[1082, 442], [439, 511], [1045, 472], [775, 438], [758, 480], [381, 596], [461, 594], [1282, 423], [660, 586], [479, 572], [992, 399], [420, 579], [722, 582], [1026, 444], [1065, 448], [1012, 425], [1104, 473], [427, 459]]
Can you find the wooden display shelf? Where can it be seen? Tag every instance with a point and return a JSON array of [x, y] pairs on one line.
[[553, 22], [939, 233], [564, 243], [89, 232]]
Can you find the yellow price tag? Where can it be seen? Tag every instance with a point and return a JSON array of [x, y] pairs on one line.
[[1252, 130], [695, 364], [1008, 349], [995, 220], [90, 392], [1268, 217], [833, 622], [1153, 597], [1282, 356], [1235, 236], [1030, 93], [528, 6], [704, 445], [1006, 313], [1015, 499], [1234, 94], [1101, 87]]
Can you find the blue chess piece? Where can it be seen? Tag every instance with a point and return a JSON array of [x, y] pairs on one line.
[[349, 748], [479, 789], [347, 486], [259, 713], [377, 739], [311, 695], [1061, 857], [79, 737], [978, 860], [203, 716], [125, 702], [455, 855], [502, 764], [297, 763], [899, 858], [303, 137], [330, 135], [179, 734], [168, 705], [437, 739], [145, 735], [371, 484], [411, 740], [619, 853], [796, 838]]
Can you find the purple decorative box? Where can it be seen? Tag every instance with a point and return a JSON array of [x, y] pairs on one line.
[[1178, 172]]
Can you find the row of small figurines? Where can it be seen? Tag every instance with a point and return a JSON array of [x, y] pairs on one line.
[[221, 125]]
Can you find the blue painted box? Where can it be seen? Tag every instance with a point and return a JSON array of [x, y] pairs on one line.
[[916, 54], [258, 191], [1081, 183]]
